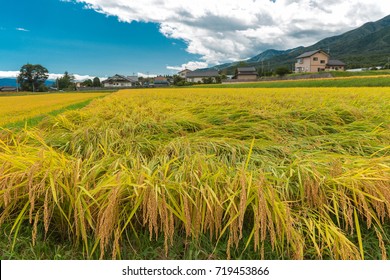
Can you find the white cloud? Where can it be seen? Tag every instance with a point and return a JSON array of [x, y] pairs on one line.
[[143, 75], [175, 68], [22, 29], [8, 74], [226, 30], [77, 77], [192, 65]]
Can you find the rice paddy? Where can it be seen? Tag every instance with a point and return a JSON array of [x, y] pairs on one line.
[[23, 107], [339, 81], [303, 173]]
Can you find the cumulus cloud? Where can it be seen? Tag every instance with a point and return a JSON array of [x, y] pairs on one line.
[[143, 75], [192, 65], [228, 30]]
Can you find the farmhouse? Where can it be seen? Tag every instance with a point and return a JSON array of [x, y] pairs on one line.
[[246, 73], [183, 73], [335, 65], [317, 61], [121, 81], [200, 76], [161, 81]]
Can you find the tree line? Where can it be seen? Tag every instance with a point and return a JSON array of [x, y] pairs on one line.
[[32, 77]]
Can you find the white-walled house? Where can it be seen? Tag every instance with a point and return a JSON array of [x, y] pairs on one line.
[[118, 81], [198, 76], [183, 73]]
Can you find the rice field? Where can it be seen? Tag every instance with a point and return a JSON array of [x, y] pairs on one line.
[[303, 173], [339, 81], [22, 107]]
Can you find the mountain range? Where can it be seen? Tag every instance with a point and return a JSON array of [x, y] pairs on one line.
[[368, 45], [11, 82]]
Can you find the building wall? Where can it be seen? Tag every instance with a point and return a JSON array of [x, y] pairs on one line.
[[197, 79], [246, 77], [318, 62], [335, 68], [303, 65], [118, 84], [184, 73]]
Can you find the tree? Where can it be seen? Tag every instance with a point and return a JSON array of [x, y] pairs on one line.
[[178, 81], [208, 80], [87, 83], [66, 82], [96, 82], [32, 77], [281, 71]]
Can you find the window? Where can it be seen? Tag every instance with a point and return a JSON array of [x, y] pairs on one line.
[[315, 58], [322, 61], [300, 60]]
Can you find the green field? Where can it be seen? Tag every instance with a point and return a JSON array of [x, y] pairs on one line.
[[348, 81], [202, 173], [360, 73]]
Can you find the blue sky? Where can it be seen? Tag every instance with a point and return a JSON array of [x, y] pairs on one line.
[[64, 36], [105, 37]]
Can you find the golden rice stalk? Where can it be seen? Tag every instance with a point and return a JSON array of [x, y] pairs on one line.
[[106, 219]]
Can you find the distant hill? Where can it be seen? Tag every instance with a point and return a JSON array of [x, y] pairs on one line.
[[11, 82], [368, 45]]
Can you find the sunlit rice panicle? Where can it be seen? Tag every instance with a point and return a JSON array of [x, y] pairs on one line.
[[107, 219]]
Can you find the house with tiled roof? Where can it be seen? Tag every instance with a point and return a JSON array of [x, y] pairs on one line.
[[161, 81], [120, 81], [317, 61], [246, 74], [199, 76], [335, 65], [183, 73]]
